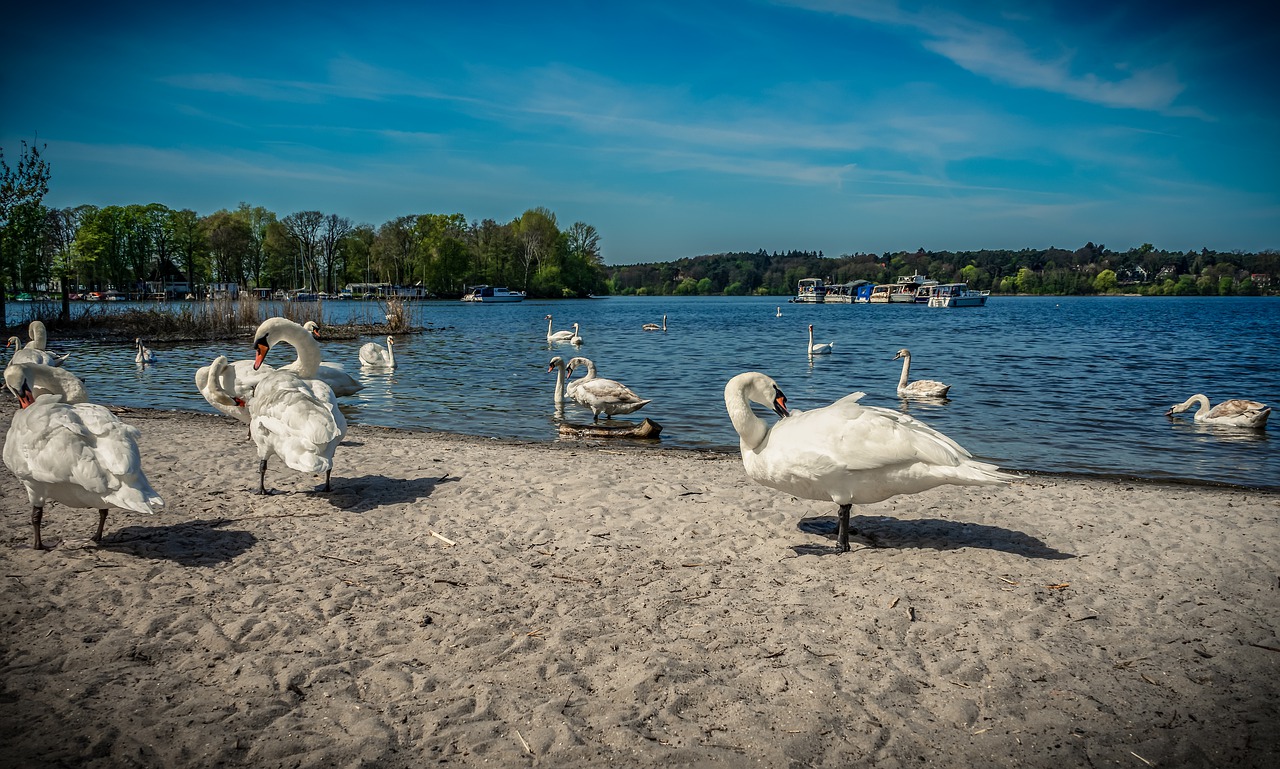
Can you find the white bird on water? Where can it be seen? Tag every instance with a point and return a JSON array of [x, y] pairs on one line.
[[292, 414], [921, 388], [655, 326], [824, 348], [375, 355], [31, 354], [846, 453], [557, 336], [78, 454], [144, 354], [576, 339], [1232, 413]]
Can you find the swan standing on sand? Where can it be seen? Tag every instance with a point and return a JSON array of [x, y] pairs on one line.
[[376, 356], [655, 326], [1233, 413], [31, 354], [217, 383], [602, 396], [921, 388], [332, 374], [292, 414], [44, 380], [144, 355], [557, 336], [846, 453], [823, 348], [79, 454]]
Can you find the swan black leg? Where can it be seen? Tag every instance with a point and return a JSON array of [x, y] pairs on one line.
[[102, 522], [327, 473], [262, 476], [843, 536], [37, 513]]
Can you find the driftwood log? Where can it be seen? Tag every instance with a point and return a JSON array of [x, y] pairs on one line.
[[646, 429]]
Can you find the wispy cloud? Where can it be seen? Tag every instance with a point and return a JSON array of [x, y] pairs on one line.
[[996, 53]]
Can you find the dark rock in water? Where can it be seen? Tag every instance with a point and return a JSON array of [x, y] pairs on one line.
[[646, 429]]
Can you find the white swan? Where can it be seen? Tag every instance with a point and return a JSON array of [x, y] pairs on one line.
[[144, 354], [376, 356], [557, 336], [846, 453], [217, 383], [823, 348], [292, 414], [779, 314], [576, 339], [79, 454], [44, 380], [921, 388], [39, 342], [602, 396], [1233, 413], [655, 326], [557, 365], [30, 354], [332, 374]]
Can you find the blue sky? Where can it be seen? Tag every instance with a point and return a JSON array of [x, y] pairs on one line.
[[675, 128]]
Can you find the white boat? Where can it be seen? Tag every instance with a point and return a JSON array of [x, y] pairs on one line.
[[810, 291], [957, 295], [492, 295], [909, 289]]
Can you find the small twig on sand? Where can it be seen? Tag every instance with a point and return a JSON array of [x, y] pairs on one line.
[[530, 750], [339, 558], [442, 538], [1140, 758]]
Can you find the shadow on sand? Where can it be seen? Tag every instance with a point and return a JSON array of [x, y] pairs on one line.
[[883, 532]]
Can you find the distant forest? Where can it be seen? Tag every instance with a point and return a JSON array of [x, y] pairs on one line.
[[1090, 269]]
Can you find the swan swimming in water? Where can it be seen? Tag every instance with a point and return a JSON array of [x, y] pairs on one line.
[[39, 342], [824, 348], [846, 453], [602, 396], [921, 388], [557, 336], [78, 454], [655, 326], [376, 356], [293, 415], [144, 354], [576, 339], [1233, 413]]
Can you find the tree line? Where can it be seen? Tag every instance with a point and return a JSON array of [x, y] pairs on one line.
[[1090, 269], [133, 248]]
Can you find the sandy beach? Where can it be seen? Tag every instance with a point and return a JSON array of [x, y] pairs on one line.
[[463, 601]]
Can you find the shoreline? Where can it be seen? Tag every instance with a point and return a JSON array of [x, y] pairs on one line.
[[632, 444], [475, 601]]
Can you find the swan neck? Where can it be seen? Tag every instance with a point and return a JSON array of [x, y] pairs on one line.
[[307, 347], [560, 384], [752, 430], [906, 370]]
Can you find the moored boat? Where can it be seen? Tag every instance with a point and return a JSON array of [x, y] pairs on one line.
[[957, 295], [810, 291], [492, 295]]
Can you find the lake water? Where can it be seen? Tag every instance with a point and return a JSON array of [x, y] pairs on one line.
[[1055, 384]]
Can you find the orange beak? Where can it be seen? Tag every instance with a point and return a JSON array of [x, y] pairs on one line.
[[780, 403], [238, 401], [261, 348], [25, 396]]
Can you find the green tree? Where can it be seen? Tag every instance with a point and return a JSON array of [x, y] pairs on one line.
[[1106, 282], [22, 220]]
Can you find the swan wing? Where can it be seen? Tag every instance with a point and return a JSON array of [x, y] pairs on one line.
[[1235, 406], [297, 420]]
